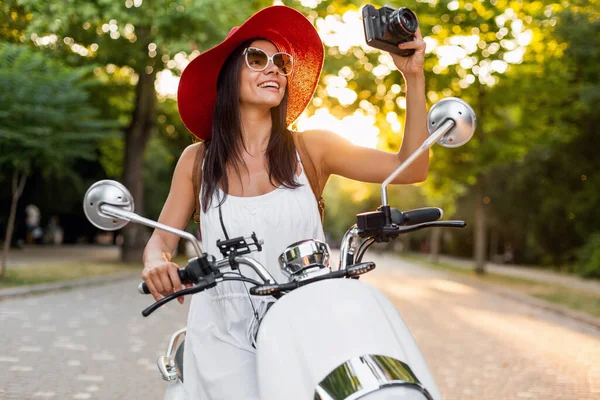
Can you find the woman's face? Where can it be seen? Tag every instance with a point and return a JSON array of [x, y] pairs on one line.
[[253, 88]]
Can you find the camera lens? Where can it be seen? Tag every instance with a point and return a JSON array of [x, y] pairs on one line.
[[403, 23]]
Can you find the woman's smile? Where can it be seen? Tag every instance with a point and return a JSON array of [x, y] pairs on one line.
[[270, 85]]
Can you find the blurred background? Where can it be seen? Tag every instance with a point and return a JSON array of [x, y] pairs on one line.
[[506, 308], [88, 92]]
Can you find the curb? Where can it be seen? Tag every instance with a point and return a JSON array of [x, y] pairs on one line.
[[523, 298], [555, 308], [21, 291]]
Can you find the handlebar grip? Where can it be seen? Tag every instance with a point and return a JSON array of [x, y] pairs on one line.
[[418, 216], [183, 277]]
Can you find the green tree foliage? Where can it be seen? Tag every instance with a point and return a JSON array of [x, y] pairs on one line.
[[529, 69], [138, 39], [13, 21], [551, 197], [46, 121]]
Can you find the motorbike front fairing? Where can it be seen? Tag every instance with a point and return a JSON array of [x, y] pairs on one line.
[[313, 337]]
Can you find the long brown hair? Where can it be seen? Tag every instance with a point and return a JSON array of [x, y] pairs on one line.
[[226, 145]]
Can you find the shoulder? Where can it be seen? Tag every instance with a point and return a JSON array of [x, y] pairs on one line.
[[318, 137], [192, 150], [318, 142], [191, 155]]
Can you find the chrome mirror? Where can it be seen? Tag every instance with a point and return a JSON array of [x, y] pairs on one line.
[[458, 117], [108, 205], [111, 193], [451, 122]]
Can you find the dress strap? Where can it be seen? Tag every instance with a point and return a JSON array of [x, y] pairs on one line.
[[197, 179], [311, 173]]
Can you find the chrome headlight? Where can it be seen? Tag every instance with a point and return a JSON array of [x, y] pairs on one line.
[[305, 259]]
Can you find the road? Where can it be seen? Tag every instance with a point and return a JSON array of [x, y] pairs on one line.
[[92, 343]]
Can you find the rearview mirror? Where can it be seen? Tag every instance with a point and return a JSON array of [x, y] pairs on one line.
[[107, 192], [451, 122]]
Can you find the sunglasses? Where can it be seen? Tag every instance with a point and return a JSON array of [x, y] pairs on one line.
[[258, 60]]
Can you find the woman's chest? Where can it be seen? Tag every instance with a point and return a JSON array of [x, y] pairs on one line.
[[251, 180]]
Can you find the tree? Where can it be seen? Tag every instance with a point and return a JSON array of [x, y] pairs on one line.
[[140, 38], [45, 121], [471, 45], [552, 194]]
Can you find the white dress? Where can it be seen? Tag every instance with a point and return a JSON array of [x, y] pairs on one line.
[[220, 357]]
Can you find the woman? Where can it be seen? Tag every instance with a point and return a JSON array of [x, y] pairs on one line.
[[238, 98]]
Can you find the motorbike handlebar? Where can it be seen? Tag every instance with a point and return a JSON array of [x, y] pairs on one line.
[[276, 289], [418, 216], [184, 277]]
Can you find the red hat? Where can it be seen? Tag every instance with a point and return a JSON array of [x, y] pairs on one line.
[[288, 30]]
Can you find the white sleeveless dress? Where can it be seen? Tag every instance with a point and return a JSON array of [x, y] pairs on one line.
[[220, 357]]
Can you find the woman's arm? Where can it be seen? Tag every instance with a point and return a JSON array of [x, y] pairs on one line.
[[160, 274], [336, 155]]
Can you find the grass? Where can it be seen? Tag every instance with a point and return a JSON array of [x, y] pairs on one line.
[[35, 275], [39, 274], [573, 299]]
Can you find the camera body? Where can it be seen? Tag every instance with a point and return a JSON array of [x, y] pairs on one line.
[[386, 28]]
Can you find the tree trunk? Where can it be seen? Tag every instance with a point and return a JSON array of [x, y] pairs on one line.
[[493, 245], [480, 228], [18, 184], [435, 238], [480, 221], [136, 138]]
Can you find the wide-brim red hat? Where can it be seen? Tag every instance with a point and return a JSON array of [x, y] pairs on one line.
[[288, 30]]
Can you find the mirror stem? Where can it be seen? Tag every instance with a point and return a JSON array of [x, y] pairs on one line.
[[431, 140], [129, 216]]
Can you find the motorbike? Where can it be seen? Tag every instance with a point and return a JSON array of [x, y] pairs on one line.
[[359, 349]]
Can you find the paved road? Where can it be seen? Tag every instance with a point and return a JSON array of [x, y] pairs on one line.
[[482, 346], [89, 343], [92, 343]]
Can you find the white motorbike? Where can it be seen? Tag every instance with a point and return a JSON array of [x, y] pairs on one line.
[[359, 349]]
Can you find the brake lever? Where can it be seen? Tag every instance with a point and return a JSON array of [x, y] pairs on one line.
[[207, 284], [183, 292], [433, 224]]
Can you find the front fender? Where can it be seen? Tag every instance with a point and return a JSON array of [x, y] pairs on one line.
[[311, 331]]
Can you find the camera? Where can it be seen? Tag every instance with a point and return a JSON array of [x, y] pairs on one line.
[[386, 28]]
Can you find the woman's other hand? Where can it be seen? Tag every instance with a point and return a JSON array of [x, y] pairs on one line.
[[411, 65]]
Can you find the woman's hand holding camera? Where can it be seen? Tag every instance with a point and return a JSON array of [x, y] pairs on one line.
[[411, 65], [161, 277]]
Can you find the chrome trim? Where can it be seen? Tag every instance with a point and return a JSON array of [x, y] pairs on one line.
[[107, 192], [250, 262], [362, 375], [124, 215], [166, 363], [348, 247], [304, 259], [431, 140], [451, 122], [461, 113]]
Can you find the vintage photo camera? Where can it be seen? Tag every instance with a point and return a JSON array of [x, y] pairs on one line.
[[386, 28]]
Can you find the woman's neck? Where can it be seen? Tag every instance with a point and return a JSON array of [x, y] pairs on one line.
[[256, 129]]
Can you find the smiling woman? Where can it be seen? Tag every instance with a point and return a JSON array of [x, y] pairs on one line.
[[251, 173]]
